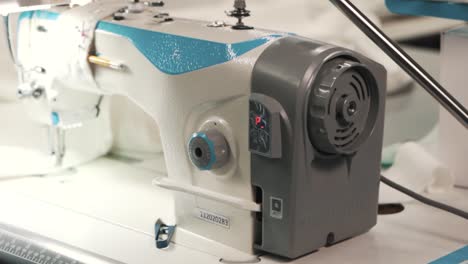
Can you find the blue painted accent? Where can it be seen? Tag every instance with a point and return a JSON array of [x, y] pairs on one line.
[[210, 145], [456, 257], [55, 118], [212, 151], [171, 54], [39, 14], [174, 54], [429, 8]]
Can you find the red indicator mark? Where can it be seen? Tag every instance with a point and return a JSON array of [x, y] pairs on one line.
[[258, 119]]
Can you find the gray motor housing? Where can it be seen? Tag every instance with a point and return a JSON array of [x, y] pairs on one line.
[[316, 186]]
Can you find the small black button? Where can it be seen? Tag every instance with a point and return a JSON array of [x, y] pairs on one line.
[[276, 205], [118, 17], [156, 4]]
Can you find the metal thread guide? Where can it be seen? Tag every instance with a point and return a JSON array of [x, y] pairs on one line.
[[240, 12], [163, 234]]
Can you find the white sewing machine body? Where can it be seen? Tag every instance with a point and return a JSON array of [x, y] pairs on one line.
[[158, 92], [190, 77]]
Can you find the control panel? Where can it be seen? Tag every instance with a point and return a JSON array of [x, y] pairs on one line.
[[265, 126], [260, 129]]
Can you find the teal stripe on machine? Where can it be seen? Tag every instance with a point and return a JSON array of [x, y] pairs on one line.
[[171, 54], [174, 54], [458, 257]]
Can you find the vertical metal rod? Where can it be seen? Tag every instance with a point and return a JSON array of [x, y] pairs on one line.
[[404, 60], [57, 144]]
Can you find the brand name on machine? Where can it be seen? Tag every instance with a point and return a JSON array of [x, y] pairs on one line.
[[213, 218]]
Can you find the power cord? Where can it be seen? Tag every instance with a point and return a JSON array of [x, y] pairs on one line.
[[423, 199]]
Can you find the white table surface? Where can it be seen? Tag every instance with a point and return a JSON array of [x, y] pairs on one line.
[[107, 208]]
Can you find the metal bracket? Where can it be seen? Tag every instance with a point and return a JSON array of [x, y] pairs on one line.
[[163, 234]]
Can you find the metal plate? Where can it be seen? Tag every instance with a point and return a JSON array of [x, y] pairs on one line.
[[22, 247]]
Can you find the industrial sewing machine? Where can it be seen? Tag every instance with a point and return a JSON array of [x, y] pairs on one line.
[[271, 141]]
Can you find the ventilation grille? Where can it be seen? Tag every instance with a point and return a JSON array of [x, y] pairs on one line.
[[346, 132], [340, 107]]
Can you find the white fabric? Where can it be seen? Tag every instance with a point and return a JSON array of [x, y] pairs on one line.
[[72, 40], [417, 168], [24, 140], [25, 149]]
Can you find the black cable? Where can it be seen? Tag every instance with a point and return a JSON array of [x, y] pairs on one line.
[[424, 200]]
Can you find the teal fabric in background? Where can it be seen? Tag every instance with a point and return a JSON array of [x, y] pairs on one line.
[[444, 9]]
